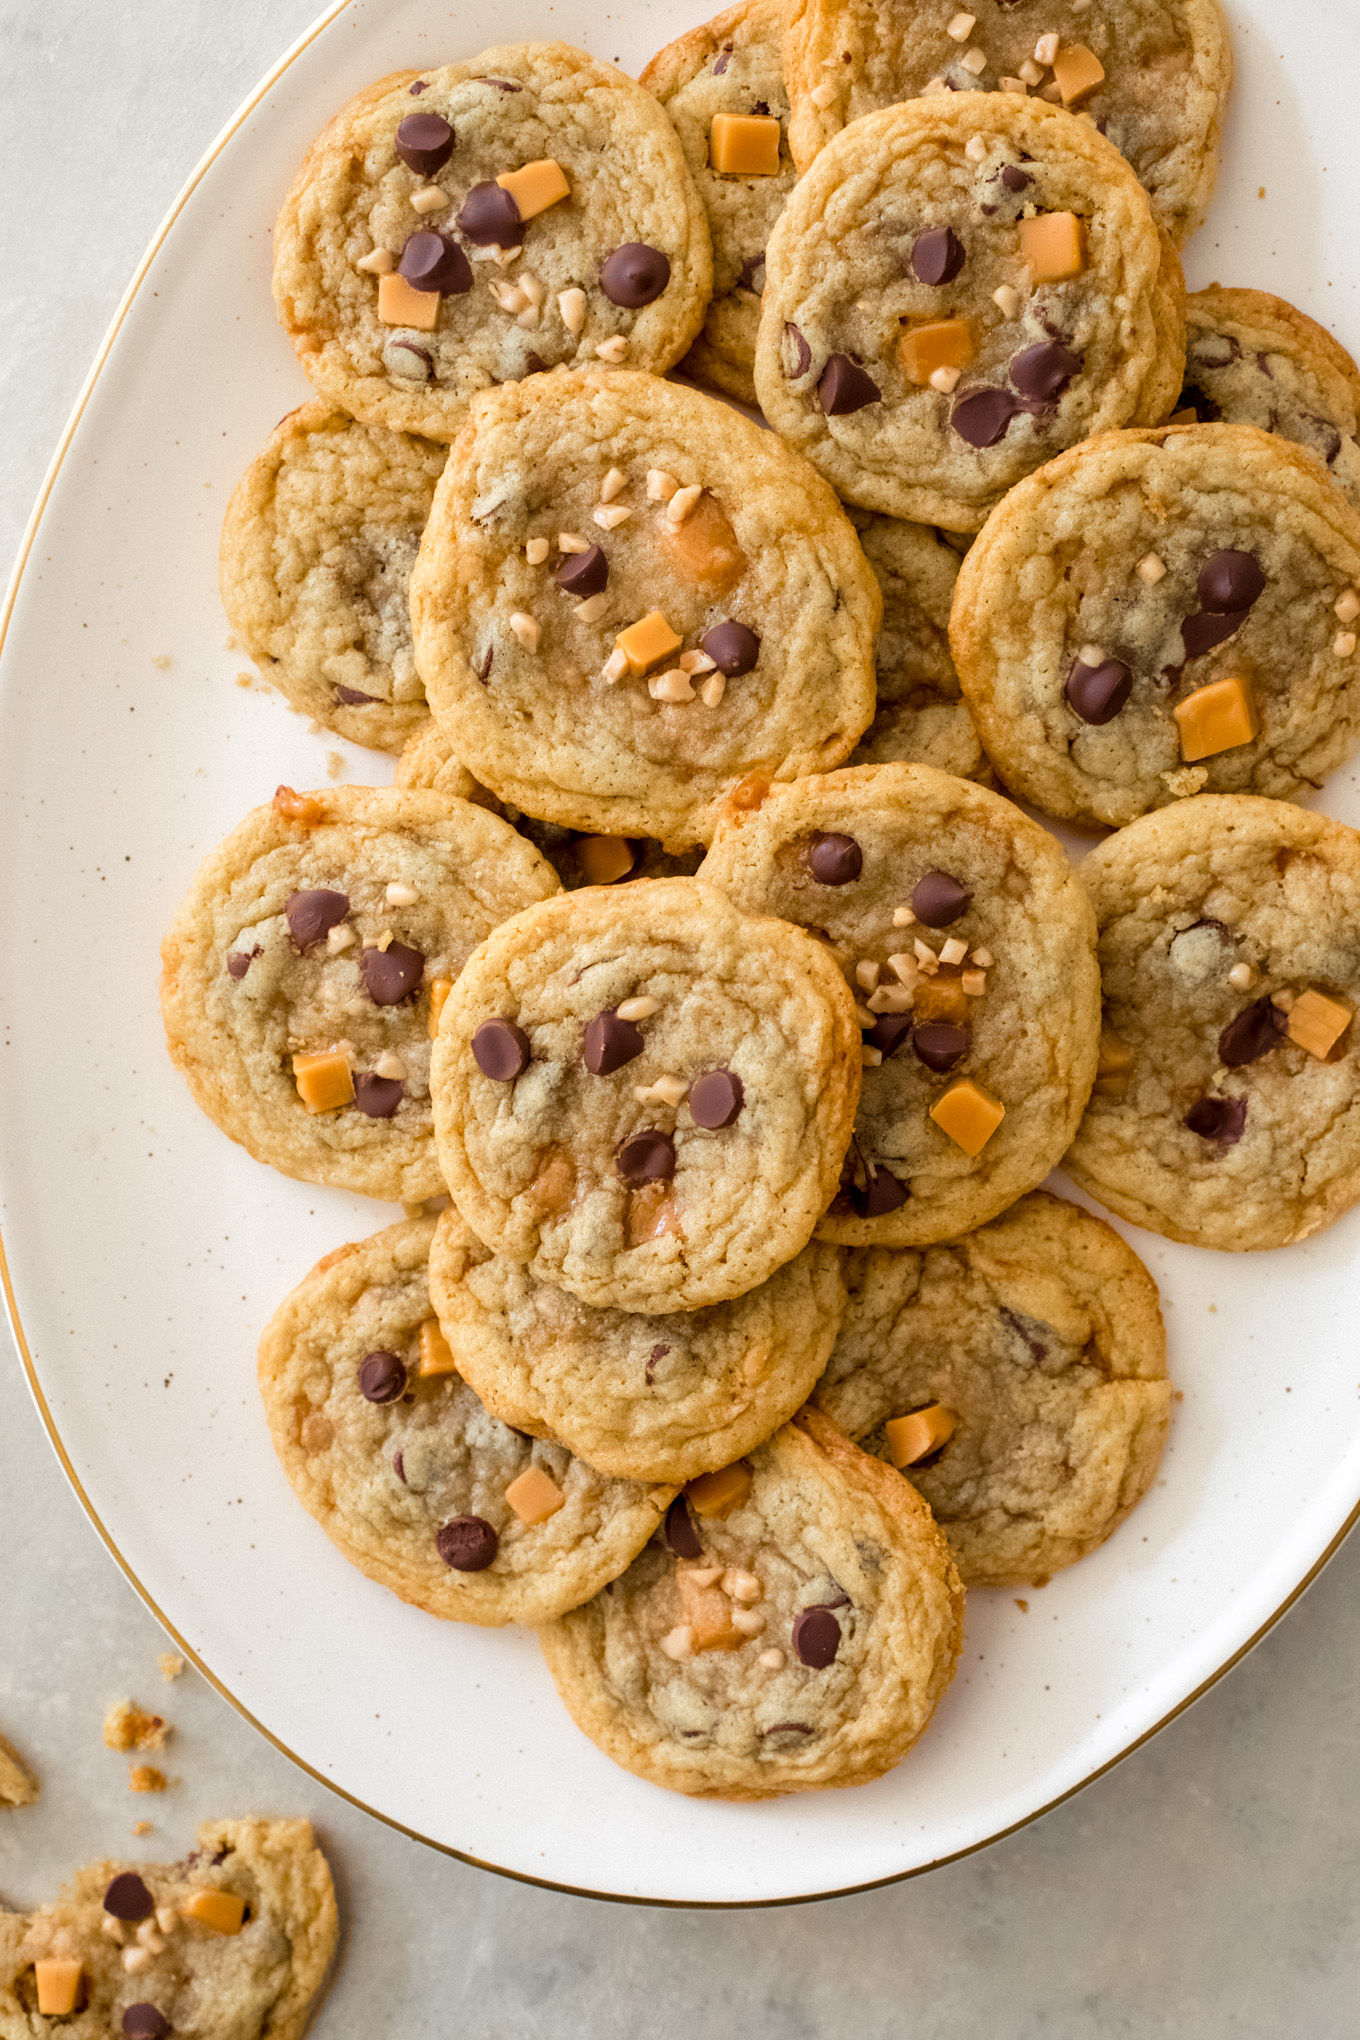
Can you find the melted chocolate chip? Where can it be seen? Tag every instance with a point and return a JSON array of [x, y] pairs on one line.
[[716, 1098], [982, 417], [796, 355], [1199, 634], [789, 1728], [732, 647], [127, 1898], [350, 697], [939, 1044], [501, 84], [888, 1033], [937, 255], [1230, 581], [646, 1157], [1014, 178], [145, 2021], [1097, 693], [681, 1536], [1044, 371], [1205, 409], [399, 1466], [312, 915], [584, 573], [431, 262], [424, 142], [609, 1044], [489, 217], [753, 268], [500, 1050], [723, 61], [484, 670], [534, 364], [1218, 1119], [634, 275], [239, 961], [816, 1637], [884, 1192], [378, 1097], [382, 1377], [419, 87], [834, 860], [939, 899], [844, 387], [467, 1544], [1321, 434], [392, 974], [1037, 1349], [1251, 1034]]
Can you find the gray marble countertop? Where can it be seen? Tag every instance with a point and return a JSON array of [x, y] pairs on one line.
[[1208, 1887]]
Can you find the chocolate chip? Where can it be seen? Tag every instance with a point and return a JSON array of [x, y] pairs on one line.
[[584, 573], [409, 363], [534, 364], [888, 1033], [634, 275], [350, 697], [1230, 581], [1044, 371], [489, 217], [646, 1157], [468, 1543], [382, 1377], [1037, 1349], [938, 255], [1205, 409], [484, 670], [399, 1466], [1215, 350], [239, 961], [1251, 1034], [419, 87], [795, 354], [939, 1044], [127, 1898], [1014, 178], [789, 1728], [723, 61], [424, 142], [145, 2021], [751, 268], [681, 1536], [939, 899], [732, 647], [834, 860], [392, 974], [883, 1193], [1097, 693], [716, 1098], [610, 1043], [312, 915], [816, 1637], [500, 1050], [501, 84], [1199, 634], [378, 1097], [1218, 1119], [429, 261], [982, 417], [1321, 434], [844, 387]]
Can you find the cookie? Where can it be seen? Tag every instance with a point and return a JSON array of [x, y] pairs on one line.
[[457, 228], [409, 1474], [649, 1398], [970, 949], [18, 1786], [1153, 75], [233, 1943], [921, 717], [958, 289], [794, 1628], [628, 598], [304, 970], [643, 1096], [1227, 1112], [723, 87], [1161, 613], [1252, 359], [317, 550], [1018, 1379]]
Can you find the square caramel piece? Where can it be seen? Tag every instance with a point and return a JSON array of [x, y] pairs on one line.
[[439, 991], [744, 145], [939, 343], [969, 1115], [718, 1494], [436, 1356], [1216, 718], [534, 1495], [1317, 1023], [915, 1437], [1076, 72], [400, 305], [1054, 246], [705, 549], [536, 187], [324, 1080], [645, 643], [707, 1610], [60, 1982], [221, 1912]]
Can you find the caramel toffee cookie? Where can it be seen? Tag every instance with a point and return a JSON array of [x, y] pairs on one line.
[[317, 551], [970, 949], [1017, 1376], [1227, 1111], [407, 1471], [652, 1398], [644, 1096], [628, 598], [922, 717], [466, 226], [1151, 74], [723, 87], [958, 289], [1251, 359], [305, 969], [232, 1943], [1158, 613], [794, 1627]]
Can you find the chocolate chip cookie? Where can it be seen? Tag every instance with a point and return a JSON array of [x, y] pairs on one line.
[[304, 972], [628, 598], [1018, 1379], [793, 1628], [958, 289], [1252, 359], [1227, 1111], [723, 87], [233, 1943], [970, 948], [1153, 75], [469, 225], [650, 1398], [1161, 613], [317, 551], [409, 1474], [921, 717], [644, 1096]]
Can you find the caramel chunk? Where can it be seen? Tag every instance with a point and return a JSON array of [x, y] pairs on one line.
[[324, 1080], [146, 1778], [435, 1356], [222, 1912], [707, 1611], [941, 998], [749, 793], [1317, 1023], [534, 1495], [554, 1186], [129, 1727], [916, 1436], [399, 304], [1113, 1065], [704, 548], [60, 1981], [647, 642], [439, 991], [1076, 72], [651, 1214], [969, 1115], [536, 186], [605, 859], [939, 343], [744, 145], [1054, 246], [718, 1494], [1216, 718], [298, 807]]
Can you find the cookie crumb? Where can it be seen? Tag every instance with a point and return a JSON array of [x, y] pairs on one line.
[[170, 1664], [141, 1827], [335, 765], [129, 1727], [1023, 1606], [161, 661], [146, 1778]]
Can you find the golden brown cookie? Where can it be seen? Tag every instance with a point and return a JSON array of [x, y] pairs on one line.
[[921, 717]]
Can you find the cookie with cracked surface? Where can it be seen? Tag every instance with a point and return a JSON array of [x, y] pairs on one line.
[[304, 968], [1161, 613], [628, 598], [1154, 74], [466, 226], [793, 1629], [649, 1398], [408, 1472], [18, 1785], [1252, 359], [1227, 1112], [317, 550], [644, 1096], [723, 87], [234, 1942], [958, 289], [1032, 1358], [921, 717], [969, 945]]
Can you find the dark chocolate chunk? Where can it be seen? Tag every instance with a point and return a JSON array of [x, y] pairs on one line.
[[1019, 1325], [634, 275], [1252, 1033], [1014, 178], [489, 217], [752, 275], [501, 84], [844, 387], [816, 1637], [1205, 409], [467, 1544], [484, 670], [534, 364], [127, 1898], [424, 143], [431, 262], [982, 417], [937, 255], [716, 1098], [1230, 581], [1321, 435], [392, 974], [789, 1728], [1199, 634], [939, 1044], [584, 573], [1097, 693], [1044, 371], [409, 363], [312, 915], [239, 961], [762, 107], [723, 61], [834, 860], [419, 87], [939, 899], [732, 646], [378, 1097], [144, 2021], [1215, 350], [646, 1157], [610, 1043], [350, 697], [681, 1536], [382, 1377], [884, 1192], [399, 1466], [795, 355], [1218, 1119], [888, 1033], [500, 1050]]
